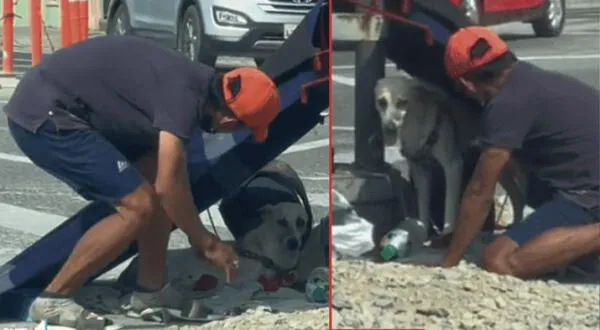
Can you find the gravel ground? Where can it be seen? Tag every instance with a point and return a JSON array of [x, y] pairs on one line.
[[317, 319], [369, 295], [307, 320]]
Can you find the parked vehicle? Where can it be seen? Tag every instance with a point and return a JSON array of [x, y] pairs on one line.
[[547, 17], [206, 29]]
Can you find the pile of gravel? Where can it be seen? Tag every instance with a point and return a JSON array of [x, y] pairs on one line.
[[317, 319], [369, 295]]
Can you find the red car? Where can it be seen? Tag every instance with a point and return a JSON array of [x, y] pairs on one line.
[[547, 17]]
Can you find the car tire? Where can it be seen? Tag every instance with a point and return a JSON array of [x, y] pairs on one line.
[[553, 21], [471, 9], [189, 37], [119, 23]]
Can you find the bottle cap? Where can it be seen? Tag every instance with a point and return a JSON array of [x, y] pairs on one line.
[[388, 252]]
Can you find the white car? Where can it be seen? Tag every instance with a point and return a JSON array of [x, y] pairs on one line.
[[206, 29]]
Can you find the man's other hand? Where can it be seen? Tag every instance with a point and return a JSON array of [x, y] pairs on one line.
[[222, 256]]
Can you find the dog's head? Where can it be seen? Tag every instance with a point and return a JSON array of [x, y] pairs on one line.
[[280, 237], [391, 101], [270, 216]]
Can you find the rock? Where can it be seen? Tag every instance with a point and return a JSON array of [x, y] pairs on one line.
[[469, 324], [439, 312], [488, 303], [500, 302], [340, 301], [383, 303]]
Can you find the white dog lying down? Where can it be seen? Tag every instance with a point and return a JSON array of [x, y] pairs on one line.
[[271, 223], [422, 120]]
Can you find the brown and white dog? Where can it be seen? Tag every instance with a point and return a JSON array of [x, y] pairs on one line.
[[429, 126]]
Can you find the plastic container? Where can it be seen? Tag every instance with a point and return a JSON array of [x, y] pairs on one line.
[[395, 244], [317, 285]]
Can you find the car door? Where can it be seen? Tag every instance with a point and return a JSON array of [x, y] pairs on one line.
[[498, 6], [156, 19], [156, 16]]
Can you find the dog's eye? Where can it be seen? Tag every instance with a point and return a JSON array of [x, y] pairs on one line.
[[382, 103], [282, 222], [300, 223], [400, 103]]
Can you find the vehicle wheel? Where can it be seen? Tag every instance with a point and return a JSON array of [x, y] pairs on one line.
[[119, 23], [189, 37], [471, 9], [553, 21]]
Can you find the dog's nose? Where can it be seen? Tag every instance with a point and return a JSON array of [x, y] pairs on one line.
[[292, 244], [389, 127]]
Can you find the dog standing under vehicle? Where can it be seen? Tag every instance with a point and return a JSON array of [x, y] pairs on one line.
[[423, 121]]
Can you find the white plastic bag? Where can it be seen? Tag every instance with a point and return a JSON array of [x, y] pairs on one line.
[[352, 235]]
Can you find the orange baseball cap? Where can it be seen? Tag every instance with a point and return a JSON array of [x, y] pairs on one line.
[[472, 48], [253, 98]]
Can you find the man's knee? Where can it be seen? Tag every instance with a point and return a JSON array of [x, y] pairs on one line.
[[498, 257], [139, 207]]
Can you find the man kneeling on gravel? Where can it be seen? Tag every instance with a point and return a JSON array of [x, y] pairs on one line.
[[550, 124], [110, 117]]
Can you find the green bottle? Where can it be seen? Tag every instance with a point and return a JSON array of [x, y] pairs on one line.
[[395, 244]]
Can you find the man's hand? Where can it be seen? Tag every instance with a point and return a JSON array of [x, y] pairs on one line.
[[476, 202], [222, 256]]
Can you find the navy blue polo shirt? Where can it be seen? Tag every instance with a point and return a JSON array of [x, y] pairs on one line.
[[127, 88], [552, 122]]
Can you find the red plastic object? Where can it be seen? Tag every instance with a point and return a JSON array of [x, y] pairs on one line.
[[206, 283]]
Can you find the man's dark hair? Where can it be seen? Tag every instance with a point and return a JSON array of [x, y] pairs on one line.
[[216, 98]]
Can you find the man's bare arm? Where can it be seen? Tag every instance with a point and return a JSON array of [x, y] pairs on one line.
[[173, 189], [476, 201]]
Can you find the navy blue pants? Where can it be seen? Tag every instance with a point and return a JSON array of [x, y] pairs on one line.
[[83, 159], [552, 210]]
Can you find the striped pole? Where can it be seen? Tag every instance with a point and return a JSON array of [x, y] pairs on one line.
[[74, 21], [8, 37], [35, 21], [83, 19], [65, 24]]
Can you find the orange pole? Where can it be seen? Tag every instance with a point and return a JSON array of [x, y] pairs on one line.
[[83, 19], [35, 21], [8, 37], [74, 21], [65, 24]]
